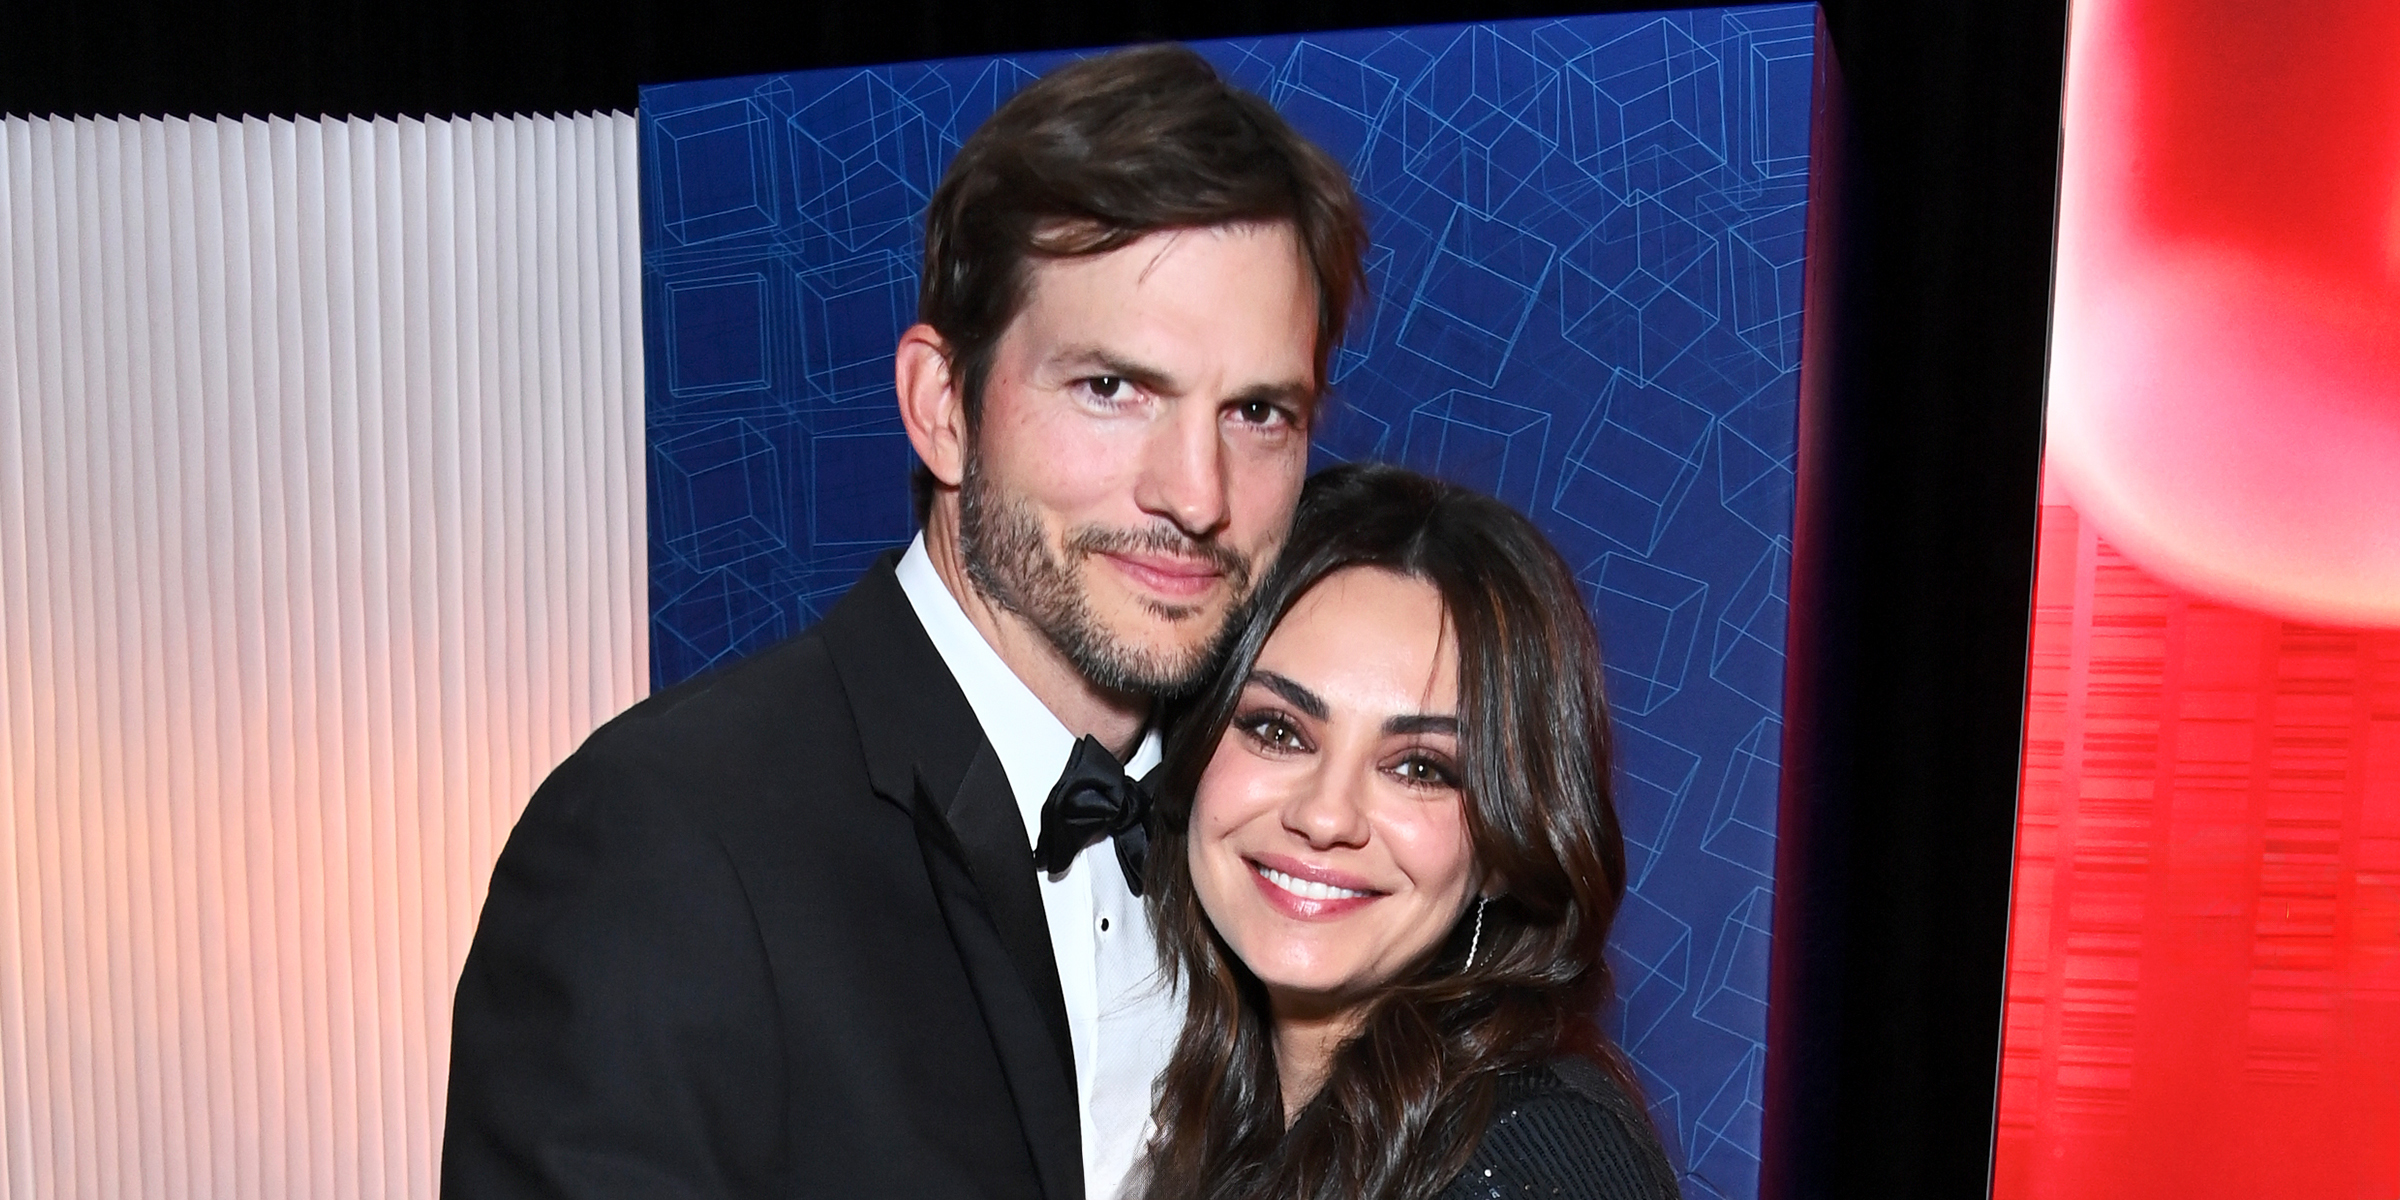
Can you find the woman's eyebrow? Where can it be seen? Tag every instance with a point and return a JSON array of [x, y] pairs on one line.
[[1293, 694], [1414, 723]]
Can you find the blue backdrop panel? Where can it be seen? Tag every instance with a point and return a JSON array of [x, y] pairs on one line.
[[1586, 300]]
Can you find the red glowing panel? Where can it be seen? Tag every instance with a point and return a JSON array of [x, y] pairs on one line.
[[2225, 378], [2204, 947], [2204, 952]]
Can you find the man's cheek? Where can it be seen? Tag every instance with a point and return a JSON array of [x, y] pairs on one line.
[[1093, 471]]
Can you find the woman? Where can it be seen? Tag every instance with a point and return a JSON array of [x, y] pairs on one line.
[[1385, 869]]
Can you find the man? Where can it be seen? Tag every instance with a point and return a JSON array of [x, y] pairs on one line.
[[781, 930]]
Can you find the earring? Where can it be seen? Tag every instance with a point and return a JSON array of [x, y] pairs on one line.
[[1477, 939]]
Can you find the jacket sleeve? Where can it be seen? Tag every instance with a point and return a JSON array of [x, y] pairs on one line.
[[1586, 1140], [615, 1032]]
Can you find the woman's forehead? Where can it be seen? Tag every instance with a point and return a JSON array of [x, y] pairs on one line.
[[1371, 641]]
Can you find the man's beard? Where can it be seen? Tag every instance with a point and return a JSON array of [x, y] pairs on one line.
[[1010, 562]]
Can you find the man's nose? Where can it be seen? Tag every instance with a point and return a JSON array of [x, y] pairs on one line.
[[1183, 471]]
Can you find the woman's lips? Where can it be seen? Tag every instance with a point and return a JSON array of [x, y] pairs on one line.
[[1309, 894]]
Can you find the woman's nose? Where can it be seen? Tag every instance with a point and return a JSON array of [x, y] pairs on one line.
[[1329, 811]]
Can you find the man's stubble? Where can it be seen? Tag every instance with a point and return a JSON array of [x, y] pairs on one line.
[[1010, 562]]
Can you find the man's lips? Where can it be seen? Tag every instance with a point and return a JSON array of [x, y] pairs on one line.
[[1309, 893], [1168, 575]]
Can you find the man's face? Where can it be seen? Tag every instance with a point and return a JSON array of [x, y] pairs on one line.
[[1143, 435]]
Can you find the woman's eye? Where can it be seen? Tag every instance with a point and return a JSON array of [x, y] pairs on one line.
[[1273, 733], [1424, 772]]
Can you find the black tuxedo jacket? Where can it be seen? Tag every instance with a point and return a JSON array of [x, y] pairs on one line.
[[773, 932]]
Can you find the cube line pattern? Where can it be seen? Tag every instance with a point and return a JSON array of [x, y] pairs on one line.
[[1585, 300]]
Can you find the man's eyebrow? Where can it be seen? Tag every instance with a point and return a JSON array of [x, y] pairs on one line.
[[1096, 361], [1293, 694], [1414, 723]]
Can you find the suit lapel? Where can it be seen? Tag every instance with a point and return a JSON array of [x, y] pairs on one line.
[[926, 753], [1023, 1030], [991, 842]]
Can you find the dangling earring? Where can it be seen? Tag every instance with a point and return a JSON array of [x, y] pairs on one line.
[[1477, 939]]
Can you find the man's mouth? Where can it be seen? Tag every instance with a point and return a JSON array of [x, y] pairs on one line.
[[1168, 575], [1170, 567]]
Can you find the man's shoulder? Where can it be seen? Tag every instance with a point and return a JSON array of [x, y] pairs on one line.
[[789, 700], [786, 743], [776, 726], [772, 702], [751, 737]]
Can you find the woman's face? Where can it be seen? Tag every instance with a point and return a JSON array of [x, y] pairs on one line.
[[1328, 845]]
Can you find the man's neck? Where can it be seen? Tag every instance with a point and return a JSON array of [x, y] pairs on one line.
[[1116, 718]]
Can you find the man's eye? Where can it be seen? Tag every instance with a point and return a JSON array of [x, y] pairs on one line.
[[1106, 387], [1260, 412]]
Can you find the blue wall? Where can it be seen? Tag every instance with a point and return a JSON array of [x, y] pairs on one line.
[[1586, 300]]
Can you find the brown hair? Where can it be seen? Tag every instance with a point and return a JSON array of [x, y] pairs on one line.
[[1096, 155], [1410, 1093]]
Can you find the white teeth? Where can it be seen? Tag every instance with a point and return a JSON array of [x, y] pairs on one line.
[[1308, 888]]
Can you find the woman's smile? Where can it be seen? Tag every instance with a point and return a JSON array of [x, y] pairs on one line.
[[1309, 893]]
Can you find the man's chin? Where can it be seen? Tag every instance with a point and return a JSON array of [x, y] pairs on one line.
[[1166, 665], [1166, 631]]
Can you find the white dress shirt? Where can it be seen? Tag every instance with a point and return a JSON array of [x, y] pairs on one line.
[[1120, 1014]]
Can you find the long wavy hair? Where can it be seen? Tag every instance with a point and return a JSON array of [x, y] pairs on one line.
[[1410, 1092]]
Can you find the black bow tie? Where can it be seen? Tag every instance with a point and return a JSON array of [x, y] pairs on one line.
[[1094, 799]]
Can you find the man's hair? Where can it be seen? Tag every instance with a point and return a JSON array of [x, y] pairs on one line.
[[1100, 153]]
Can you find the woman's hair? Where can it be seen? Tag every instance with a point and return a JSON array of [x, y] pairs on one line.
[[1409, 1094]]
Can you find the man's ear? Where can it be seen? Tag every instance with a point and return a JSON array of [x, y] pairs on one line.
[[930, 404]]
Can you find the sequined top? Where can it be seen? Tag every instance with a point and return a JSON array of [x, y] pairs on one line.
[[1569, 1133]]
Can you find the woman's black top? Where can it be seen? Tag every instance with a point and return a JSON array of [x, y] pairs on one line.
[[1567, 1132]]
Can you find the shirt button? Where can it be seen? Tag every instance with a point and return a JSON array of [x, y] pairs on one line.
[[1104, 924]]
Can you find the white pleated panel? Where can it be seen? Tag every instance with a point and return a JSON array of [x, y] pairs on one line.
[[321, 541]]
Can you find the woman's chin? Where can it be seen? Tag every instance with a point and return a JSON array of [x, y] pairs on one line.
[[1309, 1001]]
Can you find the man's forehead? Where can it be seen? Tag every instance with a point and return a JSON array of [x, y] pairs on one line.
[[1126, 306], [1139, 263]]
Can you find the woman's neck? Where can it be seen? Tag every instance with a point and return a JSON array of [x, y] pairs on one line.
[[1306, 1037]]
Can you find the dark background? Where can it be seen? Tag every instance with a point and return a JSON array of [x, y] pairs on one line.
[[1929, 283]]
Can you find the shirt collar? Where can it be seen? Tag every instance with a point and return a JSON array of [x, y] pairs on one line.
[[1031, 741]]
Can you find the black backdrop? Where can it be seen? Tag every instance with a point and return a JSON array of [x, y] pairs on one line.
[[1920, 442]]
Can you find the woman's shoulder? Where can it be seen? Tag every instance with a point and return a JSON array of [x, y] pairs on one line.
[[1566, 1130]]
